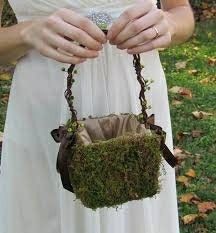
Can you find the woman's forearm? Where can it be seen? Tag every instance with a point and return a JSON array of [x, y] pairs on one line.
[[181, 23], [12, 46]]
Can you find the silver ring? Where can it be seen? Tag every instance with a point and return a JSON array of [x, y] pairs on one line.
[[157, 33], [101, 19]]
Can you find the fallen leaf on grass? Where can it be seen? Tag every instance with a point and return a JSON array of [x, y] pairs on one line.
[[196, 133], [4, 98], [176, 102], [177, 151], [201, 114], [175, 89], [193, 72], [189, 198], [186, 93], [212, 61], [201, 229], [181, 135], [183, 180], [182, 91], [196, 48], [181, 155], [191, 218], [209, 80], [180, 65], [191, 173], [5, 77], [204, 81], [205, 207]]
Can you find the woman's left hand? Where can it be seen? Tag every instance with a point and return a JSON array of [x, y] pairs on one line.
[[140, 28]]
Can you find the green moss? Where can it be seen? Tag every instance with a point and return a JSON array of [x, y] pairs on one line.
[[110, 173]]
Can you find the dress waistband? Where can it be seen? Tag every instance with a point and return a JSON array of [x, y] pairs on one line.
[[113, 12]]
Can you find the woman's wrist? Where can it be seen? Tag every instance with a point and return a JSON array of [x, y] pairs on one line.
[[12, 44], [181, 24], [22, 33], [172, 25]]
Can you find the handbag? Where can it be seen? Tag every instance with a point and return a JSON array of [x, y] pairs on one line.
[[109, 160]]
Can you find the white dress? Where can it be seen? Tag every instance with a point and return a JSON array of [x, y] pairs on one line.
[[32, 199]]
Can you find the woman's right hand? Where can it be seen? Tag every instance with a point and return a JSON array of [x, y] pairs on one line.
[[53, 37]]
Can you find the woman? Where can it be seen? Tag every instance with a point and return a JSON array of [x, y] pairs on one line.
[[32, 199]]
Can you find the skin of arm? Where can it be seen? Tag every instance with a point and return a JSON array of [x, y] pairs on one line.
[[180, 19], [12, 46]]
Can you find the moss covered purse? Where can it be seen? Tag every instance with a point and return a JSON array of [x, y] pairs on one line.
[[110, 160]]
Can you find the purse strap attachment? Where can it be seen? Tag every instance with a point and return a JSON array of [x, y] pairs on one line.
[[143, 84]]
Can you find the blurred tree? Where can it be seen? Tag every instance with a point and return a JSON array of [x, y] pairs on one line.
[[8, 17], [204, 9]]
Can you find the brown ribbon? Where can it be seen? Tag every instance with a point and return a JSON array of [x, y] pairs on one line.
[[121, 125]]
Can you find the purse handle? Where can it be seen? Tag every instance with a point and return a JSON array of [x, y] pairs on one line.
[[63, 155], [143, 83]]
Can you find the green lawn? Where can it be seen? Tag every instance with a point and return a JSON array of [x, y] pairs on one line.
[[196, 53]]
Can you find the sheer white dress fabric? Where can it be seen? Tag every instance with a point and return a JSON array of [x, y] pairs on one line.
[[32, 199]]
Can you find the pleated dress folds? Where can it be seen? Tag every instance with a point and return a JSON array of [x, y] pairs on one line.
[[32, 199]]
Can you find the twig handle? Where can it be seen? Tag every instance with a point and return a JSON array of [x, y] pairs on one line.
[[138, 68]]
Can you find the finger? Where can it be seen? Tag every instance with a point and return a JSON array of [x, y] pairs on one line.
[[136, 26], [83, 23], [76, 34], [160, 42], [52, 53], [144, 36], [128, 15], [64, 52], [59, 42]]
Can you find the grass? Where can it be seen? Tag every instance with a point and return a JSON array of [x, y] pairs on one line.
[[4, 90], [196, 53]]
